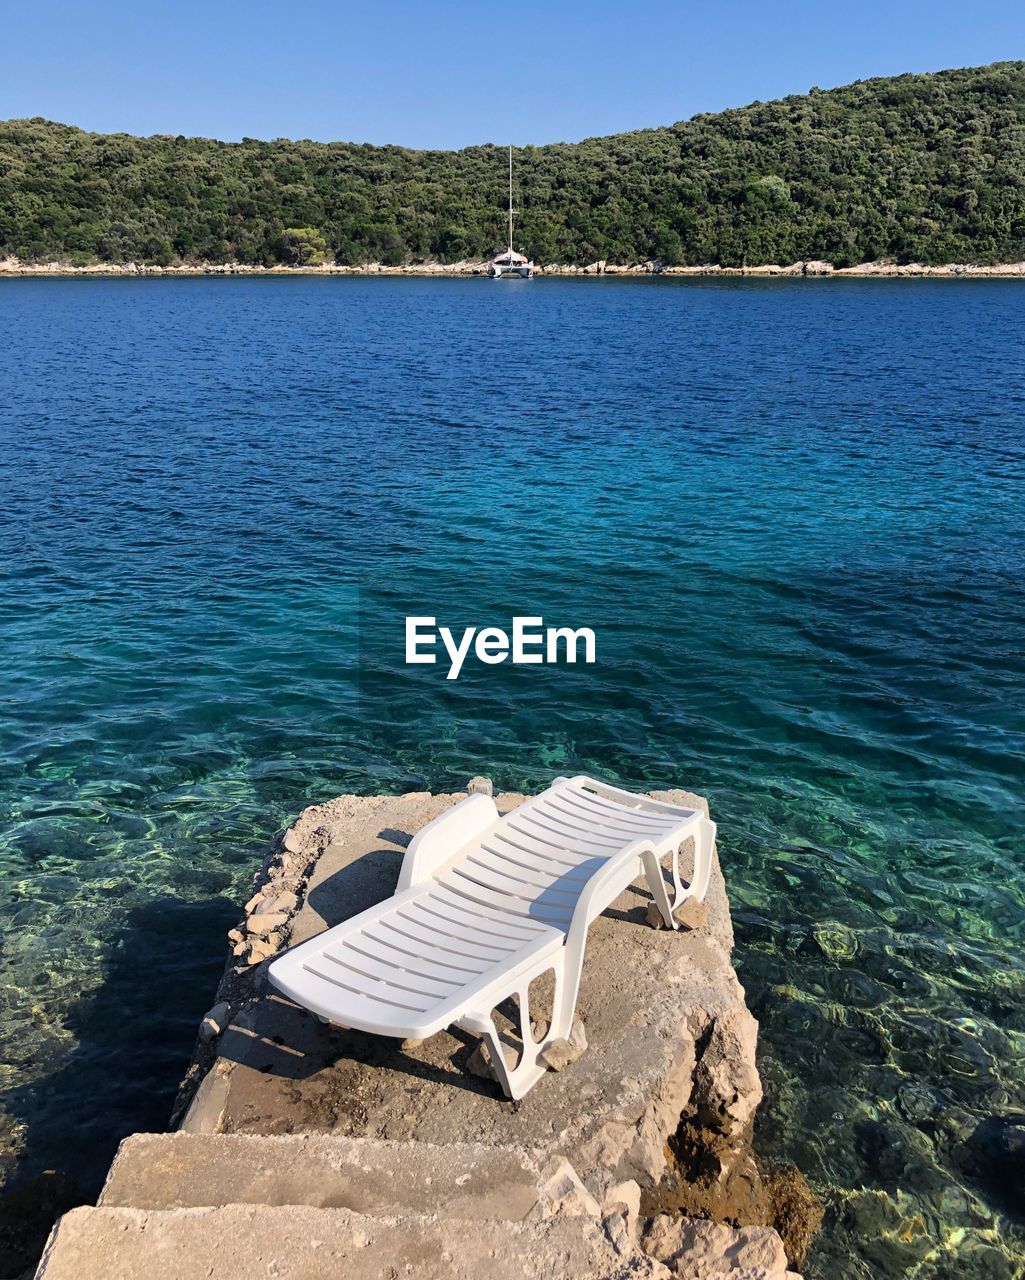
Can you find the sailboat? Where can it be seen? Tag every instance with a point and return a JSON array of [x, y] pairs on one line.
[[510, 263]]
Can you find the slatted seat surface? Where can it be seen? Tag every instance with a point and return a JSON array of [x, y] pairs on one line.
[[405, 967], [575, 820], [402, 968]]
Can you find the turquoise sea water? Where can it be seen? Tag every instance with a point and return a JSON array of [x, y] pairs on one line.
[[791, 510]]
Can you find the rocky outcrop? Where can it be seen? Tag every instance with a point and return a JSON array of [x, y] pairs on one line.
[[653, 1104], [663, 1097], [638, 1074]]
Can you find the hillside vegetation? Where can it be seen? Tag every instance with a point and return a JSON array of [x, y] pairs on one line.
[[928, 168]]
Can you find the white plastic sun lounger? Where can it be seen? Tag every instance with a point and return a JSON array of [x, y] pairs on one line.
[[484, 905]]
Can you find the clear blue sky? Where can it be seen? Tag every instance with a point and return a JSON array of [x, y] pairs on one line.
[[451, 73]]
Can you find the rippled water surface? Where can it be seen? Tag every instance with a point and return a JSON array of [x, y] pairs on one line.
[[791, 510]]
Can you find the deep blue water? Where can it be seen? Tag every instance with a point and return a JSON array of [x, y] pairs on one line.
[[792, 512]]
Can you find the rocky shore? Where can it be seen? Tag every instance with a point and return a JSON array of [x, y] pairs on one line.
[[634, 1156], [884, 269]]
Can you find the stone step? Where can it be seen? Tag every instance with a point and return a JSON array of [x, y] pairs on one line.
[[298, 1242], [368, 1175]]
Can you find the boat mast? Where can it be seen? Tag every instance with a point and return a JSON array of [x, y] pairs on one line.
[[510, 203]]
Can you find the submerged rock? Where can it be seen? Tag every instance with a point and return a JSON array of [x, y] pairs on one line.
[[996, 1157], [796, 1210], [883, 1149], [835, 941]]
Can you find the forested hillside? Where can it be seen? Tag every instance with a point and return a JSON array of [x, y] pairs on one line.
[[917, 167]]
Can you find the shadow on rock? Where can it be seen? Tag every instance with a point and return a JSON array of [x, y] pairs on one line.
[[359, 885], [277, 1039]]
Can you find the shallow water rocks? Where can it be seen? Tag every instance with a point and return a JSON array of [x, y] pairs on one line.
[[27, 1212], [891, 1230], [918, 1103], [996, 1156], [1001, 1140], [836, 941]]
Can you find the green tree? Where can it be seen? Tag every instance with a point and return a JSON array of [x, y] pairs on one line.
[[303, 246]]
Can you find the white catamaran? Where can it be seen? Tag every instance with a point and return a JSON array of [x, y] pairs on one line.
[[510, 263]]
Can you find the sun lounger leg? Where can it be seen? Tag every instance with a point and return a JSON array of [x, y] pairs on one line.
[[657, 885], [704, 844], [567, 986], [519, 1080]]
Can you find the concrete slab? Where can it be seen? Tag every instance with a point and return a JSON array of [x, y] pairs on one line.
[[239, 1242], [650, 1000], [186, 1170]]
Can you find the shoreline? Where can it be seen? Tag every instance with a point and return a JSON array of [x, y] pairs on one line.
[[13, 267]]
